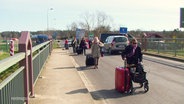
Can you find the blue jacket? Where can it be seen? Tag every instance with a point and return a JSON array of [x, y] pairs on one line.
[[132, 59]]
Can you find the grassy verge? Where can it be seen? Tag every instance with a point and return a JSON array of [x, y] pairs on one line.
[[8, 72], [56, 44], [168, 54], [4, 55]]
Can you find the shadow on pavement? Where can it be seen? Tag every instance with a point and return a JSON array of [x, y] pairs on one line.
[[81, 68], [112, 93], [84, 90], [65, 67]]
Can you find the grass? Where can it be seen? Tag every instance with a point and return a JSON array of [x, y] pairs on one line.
[[8, 72], [4, 47], [56, 44], [179, 54], [4, 55]]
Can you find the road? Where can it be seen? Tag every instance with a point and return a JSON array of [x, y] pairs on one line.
[[166, 81]]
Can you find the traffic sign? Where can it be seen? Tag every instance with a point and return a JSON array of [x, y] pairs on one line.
[[123, 30]]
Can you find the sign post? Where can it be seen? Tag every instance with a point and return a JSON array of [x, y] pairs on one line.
[[80, 33], [91, 36], [11, 47]]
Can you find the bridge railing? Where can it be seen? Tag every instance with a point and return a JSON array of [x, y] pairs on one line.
[[18, 86]]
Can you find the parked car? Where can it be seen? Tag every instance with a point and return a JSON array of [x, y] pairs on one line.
[[115, 44], [39, 38], [70, 42], [104, 36]]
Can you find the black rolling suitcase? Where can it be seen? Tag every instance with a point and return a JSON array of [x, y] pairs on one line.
[[89, 60], [79, 50]]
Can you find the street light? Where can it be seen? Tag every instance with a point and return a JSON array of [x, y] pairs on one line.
[[48, 18]]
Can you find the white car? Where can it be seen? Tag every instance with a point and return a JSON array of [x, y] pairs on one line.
[[115, 44], [70, 42]]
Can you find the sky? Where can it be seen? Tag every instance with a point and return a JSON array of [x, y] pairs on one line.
[[32, 15]]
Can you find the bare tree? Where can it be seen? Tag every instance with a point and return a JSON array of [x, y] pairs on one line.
[[103, 22], [87, 22], [71, 29], [98, 22]]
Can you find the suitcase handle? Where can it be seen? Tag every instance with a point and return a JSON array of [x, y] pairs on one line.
[[125, 63]]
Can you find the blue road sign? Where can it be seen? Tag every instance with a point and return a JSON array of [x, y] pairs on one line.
[[123, 30]]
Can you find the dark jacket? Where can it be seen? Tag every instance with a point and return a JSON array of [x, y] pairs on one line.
[[83, 44], [132, 58]]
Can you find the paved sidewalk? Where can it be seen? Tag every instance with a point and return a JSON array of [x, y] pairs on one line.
[[60, 83]]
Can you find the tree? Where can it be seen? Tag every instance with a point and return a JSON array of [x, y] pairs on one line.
[[103, 23], [87, 22], [71, 29], [98, 22]]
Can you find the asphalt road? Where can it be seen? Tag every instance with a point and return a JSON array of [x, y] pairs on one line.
[[166, 81]]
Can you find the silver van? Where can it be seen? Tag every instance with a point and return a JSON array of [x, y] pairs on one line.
[[115, 44]]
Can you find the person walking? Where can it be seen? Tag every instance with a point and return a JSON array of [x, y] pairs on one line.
[[132, 53], [74, 44], [83, 45], [66, 44], [95, 50]]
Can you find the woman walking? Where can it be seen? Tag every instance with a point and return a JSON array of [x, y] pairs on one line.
[[83, 45], [95, 50]]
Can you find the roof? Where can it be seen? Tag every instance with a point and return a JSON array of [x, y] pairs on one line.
[[155, 35]]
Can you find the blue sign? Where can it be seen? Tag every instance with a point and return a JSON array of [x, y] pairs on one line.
[[80, 33], [123, 30]]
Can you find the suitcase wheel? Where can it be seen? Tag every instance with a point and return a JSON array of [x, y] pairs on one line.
[[141, 85], [131, 90], [146, 87]]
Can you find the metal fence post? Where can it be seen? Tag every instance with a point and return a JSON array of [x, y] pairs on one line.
[[175, 45], [25, 44]]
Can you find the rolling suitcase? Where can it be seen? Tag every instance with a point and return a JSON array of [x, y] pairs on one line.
[[90, 60], [79, 50], [123, 81], [66, 46]]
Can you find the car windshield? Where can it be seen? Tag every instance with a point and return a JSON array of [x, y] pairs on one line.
[[120, 39]]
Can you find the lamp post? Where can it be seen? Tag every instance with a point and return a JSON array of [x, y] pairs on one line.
[[48, 18]]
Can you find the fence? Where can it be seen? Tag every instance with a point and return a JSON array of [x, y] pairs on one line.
[[17, 87], [173, 47]]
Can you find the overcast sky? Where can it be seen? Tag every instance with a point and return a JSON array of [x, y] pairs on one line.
[[31, 15]]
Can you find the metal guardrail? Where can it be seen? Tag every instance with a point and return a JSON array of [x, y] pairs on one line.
[[39, 59], [12, 89]]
